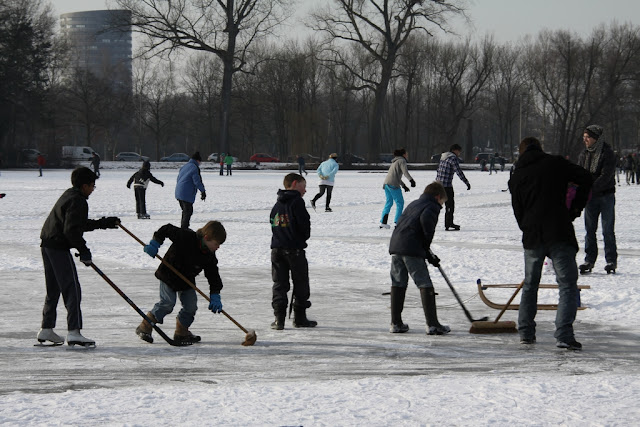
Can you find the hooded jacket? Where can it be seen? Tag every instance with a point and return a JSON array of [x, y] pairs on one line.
[[416, 227], [396, 170], [539, 197], [290, 221], [189, 182], [142, 177]]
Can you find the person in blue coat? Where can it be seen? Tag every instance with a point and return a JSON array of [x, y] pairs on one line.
[[187, 186], [327, 173]]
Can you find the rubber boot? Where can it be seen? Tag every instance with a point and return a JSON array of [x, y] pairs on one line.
[[145, 329], [397, 304], [183, 334], [300, 316], [428, 296], [278, 323]]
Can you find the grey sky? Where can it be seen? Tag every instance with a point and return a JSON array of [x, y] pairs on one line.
[[506, 19]]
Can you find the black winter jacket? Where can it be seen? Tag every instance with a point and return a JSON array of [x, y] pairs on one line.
[[142, 177], [539, 197], [414, 232], [604, 181], [290, 221], [189, 256], [67, 221]]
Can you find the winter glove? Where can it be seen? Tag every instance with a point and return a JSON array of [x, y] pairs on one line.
[[85, 256], [215, 305], [129, 185], [405, 188], [109, 222], [161, 184], [433, 259], [203, 195], [152, 248], [413, 183], [468, 186]]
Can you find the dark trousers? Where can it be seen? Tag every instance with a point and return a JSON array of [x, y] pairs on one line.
[[187, 211], [141, 203], [301, 169], [284, 261], [61, 277], [449, 206], [229, 170], [323, 188]]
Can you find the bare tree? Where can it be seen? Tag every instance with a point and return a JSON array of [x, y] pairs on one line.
[[381, 28], [225, 28]]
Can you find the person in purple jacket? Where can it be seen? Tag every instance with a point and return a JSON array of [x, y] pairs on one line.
[[291, 228]]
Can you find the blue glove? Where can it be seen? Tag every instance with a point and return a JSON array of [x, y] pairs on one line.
[[215, 305], [152, 248]]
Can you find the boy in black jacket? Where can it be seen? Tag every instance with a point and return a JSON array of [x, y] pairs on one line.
[[409, 246], [190, 253], [291, 228], [63, 230], [140, 181]]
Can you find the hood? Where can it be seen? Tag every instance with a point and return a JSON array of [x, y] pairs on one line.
[[285, 196]]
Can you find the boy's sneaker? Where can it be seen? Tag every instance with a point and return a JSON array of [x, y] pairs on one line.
[[328, 210], [438, 330], [528, 340], [47, 334], [398, 329], [571, 344], [387, 226]]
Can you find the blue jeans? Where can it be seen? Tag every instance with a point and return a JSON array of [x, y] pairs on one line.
[[606, 206], [167, 301], [402, 266], [392, 194], [563, 256]]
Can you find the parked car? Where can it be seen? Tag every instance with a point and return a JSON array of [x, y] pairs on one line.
[[213, 157], [72, 152], [386, 157], [176, 157], [350, 158], [263, 157], [30, 155], [436, 158], [130, 156], [307, 158]]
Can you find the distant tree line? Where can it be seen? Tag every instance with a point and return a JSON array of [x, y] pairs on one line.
[[368, 81]]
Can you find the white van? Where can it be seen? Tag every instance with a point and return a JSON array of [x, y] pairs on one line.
[[70, 152]]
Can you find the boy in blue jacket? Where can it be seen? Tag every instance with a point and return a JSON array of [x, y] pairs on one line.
[[409, 247], [291, 228], [188, 183]]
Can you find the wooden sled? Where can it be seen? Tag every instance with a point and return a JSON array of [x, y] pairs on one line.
[[488, 302]]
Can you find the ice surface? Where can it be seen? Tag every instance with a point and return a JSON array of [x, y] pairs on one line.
[[347, 371]]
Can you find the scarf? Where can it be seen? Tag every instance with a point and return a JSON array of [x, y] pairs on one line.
[[593, 156]]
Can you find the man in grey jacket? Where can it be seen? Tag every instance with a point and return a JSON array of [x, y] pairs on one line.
[[392, 184]]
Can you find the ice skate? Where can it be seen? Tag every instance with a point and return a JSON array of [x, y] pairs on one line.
[[385, 226], [586, 268], [328, 210], [400, 328], [438, 330], [313, 204], [610, 267], [571, 344], [46, 337], [74, 337], [453, 227]]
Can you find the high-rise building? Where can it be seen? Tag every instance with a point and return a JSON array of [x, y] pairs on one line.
[[100, 42]]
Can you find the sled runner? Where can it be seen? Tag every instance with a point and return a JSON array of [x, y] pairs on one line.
[[488, 302]]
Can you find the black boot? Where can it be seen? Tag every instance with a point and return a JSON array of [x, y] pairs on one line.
[[397, 304], [280, 314], [300, 316], [428, 296]]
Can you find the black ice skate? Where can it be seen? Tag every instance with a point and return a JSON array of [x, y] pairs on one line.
[[586, 268], [610, 267]]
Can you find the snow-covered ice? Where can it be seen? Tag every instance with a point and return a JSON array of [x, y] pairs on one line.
[[349, 370]]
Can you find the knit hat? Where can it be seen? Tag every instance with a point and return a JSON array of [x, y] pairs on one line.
[[333, 155], [594, 131], [146, 164], [196, 156]]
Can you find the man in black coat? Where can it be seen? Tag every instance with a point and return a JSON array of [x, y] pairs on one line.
[[409, 246], [539, 198]]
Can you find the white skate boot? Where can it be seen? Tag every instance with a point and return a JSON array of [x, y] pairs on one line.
[[47, 334], [75, 337]]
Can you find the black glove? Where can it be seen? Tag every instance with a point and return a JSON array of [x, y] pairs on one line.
[[85, 256], [468, 186], [405, 188], [203, 195], [128, 185], [433, 259], [413, 183], [161, 184], [109, 222]]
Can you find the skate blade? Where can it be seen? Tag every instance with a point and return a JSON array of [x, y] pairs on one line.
[[48, 344], [73, 344]]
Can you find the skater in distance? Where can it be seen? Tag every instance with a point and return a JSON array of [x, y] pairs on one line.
[[327, 173], [140, 181], [393, 183], [188, 183], [539, 199], [62, 231], [449, 165]]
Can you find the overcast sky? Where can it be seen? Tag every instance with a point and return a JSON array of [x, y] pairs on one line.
[[506, 19]]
